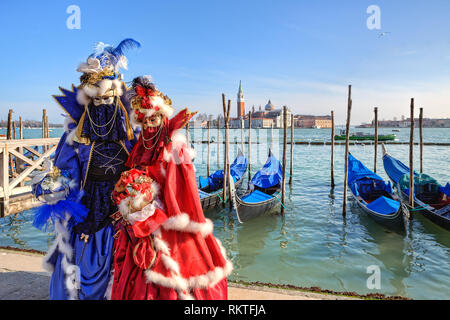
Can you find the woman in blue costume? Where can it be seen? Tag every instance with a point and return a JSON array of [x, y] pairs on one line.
[[77, 186]]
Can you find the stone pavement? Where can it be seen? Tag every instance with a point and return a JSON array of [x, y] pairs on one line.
[[23, 278]]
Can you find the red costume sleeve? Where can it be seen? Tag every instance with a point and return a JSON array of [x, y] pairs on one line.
[[144, 228], [180, 120]]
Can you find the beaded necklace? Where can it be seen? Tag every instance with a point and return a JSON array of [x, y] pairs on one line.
[[93, 124]]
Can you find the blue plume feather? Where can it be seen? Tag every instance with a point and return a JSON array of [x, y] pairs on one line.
[[47, 213], [125, 45]]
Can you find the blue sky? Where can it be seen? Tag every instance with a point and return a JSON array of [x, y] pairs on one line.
[[302, 54]]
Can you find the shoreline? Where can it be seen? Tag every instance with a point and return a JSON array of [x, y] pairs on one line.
[[28, 268]]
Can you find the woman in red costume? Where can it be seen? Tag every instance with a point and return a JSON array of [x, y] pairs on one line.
[[164, 246]]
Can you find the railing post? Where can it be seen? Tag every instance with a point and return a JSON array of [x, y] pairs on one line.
[[4, 179]]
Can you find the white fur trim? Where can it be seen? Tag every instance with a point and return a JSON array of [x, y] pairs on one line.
[[110, 285], [178, 283], [179, 143], [70, 137], [163, 171], [71, 271], [67, 122], [82, 98], [164, 108], [87, 92], [181, 222], [70, 132], [211, 278]]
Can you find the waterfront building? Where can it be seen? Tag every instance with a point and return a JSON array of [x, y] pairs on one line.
[[405, 123], [240, 102], [310, 121]]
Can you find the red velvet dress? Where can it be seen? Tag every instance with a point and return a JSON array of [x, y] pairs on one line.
[[186, 260]]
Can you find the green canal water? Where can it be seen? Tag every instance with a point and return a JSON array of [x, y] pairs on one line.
[[312, 244]]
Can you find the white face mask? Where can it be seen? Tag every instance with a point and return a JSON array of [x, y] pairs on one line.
[[153, 121], [108, 98]]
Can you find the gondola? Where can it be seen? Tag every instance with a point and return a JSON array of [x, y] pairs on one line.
[[431, 199], [263, 191], [210, 188], [374, 196]]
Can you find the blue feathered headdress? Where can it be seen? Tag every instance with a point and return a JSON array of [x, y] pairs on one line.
[[107, 56]]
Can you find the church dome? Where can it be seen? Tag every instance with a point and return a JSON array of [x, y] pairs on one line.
[[269, 106]]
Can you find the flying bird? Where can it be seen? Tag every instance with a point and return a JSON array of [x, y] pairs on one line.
[[383, 34]]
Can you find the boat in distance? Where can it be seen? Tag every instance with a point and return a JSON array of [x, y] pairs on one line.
[[362, 136]]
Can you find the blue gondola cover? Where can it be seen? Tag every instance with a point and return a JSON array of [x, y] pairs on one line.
[[270, 175], [446, 189], [215, 180], [384, 205], [395, 168]]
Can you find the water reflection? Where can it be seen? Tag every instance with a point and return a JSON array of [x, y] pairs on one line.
[[12, 227], [392, 248]]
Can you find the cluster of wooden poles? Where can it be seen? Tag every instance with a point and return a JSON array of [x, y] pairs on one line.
[[12, 126], [11, 134], [227, 191], [411, 148]]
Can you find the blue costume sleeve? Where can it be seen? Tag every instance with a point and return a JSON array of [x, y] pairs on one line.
[[66, 158]]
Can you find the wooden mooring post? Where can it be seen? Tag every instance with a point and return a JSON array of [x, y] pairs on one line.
[[20, 128], [421, 138], [283, 185], [376, 139], [242, 135], [9, 134], [332, 149], [218, 142], [188, 136], [226, 114], [347, 133], [209, 147], [291, 169], [411, 158], [249, 145]]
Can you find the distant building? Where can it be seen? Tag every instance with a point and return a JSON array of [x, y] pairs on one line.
[[406, 123], [309, 121], [240, 102], [260, 119]]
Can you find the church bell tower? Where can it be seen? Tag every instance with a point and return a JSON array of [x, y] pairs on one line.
[[240, 102]]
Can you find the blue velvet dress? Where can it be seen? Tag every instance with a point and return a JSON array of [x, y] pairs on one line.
[[92, 256]]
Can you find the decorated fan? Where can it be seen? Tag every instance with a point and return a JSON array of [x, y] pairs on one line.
[[136, 195], [59, 195]]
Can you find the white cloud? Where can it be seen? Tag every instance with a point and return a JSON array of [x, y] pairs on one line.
[[319, 98]]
